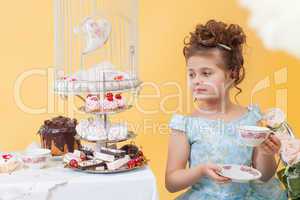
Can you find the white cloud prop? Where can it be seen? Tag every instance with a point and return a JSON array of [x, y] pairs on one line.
[[277, 23]]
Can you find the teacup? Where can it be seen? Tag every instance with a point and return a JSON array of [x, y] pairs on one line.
[[253, 135], [36, 158]]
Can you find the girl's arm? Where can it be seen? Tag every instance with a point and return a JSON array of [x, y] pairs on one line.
[[177, 176], [264, 157]]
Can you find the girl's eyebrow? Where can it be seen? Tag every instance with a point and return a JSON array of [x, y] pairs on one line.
[[206, 68], [201, 68]]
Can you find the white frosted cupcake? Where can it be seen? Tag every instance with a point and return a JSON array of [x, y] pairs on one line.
[[90, 129], [118, 131]]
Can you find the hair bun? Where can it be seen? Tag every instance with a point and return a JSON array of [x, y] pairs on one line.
[[213, 33], [236, 35]]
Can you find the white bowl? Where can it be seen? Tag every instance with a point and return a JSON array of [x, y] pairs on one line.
[[36, 158], [253, 135]]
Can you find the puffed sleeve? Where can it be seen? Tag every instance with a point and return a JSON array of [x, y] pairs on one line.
[[178, 122], [255, 110]]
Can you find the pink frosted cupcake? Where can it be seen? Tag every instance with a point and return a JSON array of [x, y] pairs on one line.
[[120, 101], [108, 104], [92, 103]]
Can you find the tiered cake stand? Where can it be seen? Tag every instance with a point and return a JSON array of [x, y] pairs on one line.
[[96, 47], [105, 117]]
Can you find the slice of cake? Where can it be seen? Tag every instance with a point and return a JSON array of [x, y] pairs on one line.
[[117, 164], [114, 152], [9, 163]]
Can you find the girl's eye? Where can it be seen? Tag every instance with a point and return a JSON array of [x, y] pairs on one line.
[[206, 74], [192, 75]]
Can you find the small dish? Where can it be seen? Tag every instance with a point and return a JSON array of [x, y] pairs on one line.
[[239, 173]]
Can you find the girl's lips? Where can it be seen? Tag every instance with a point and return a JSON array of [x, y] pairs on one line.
[[200, 90]]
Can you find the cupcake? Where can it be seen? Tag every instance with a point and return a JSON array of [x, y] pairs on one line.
[[108, 104], [92, 103], [120, 101]]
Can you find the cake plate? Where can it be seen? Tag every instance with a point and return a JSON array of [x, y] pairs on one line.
[[121, 170]]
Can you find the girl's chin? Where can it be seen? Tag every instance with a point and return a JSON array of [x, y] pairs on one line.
[[200, 97]]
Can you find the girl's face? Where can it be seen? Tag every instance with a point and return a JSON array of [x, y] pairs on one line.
[[207, 76]]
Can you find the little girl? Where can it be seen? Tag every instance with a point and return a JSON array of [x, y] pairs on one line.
[[208, 137]]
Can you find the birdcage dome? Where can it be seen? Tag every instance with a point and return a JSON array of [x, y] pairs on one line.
[[95, 46]]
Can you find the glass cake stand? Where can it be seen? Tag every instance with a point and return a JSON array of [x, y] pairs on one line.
[[108, 143]]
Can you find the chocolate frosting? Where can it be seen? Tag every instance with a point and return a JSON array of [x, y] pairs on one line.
[[61, 130]]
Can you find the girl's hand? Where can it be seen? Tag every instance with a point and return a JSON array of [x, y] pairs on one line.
[[270, 146], [211, 171]]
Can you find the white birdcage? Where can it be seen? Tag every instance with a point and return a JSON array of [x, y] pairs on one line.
[[96, 55], [95, 46]]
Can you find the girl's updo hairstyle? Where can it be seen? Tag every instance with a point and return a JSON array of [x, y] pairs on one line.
[[229, 39]]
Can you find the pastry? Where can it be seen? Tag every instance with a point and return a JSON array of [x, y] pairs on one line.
[[109, 103], [94, 130], [92, 103], [104, 157], [92, 80], [9, 163], [117, 164], [131, 150], [58, 135], [114, 152]]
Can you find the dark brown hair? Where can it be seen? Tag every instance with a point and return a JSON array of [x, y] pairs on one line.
[[229, 39]]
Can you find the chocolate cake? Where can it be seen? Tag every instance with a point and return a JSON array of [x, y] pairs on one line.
[[58, 135], [131, 150]]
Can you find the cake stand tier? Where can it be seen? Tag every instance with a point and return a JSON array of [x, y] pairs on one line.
[[131, 135], [127, 107], [66, 89], [121, 170]]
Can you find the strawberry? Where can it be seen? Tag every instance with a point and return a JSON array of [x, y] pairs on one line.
[[110, 98], [118, 78], [109, 94], [131, 164], [118, 96], [73, 163], [7, 156]]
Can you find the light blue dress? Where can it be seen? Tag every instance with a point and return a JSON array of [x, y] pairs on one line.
[[216, 141]]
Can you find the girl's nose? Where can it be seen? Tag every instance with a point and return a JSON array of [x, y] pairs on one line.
[[197, 82]]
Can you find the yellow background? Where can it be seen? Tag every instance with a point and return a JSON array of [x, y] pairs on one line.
[[26, 42]]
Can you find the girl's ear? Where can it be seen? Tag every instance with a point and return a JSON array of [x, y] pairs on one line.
[[230, 77], [233, 74]]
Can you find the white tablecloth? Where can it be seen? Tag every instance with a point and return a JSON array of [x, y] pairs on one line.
[[57, 183]]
